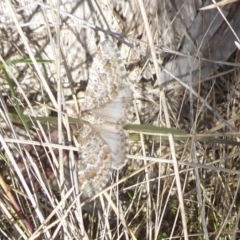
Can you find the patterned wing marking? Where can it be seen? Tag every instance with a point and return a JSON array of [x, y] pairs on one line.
[[107, 77], [94, 163]]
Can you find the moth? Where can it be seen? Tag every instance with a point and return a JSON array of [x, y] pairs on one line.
[[104, 110]]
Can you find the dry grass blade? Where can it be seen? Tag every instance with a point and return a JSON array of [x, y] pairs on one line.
[[171, 141], [219, 4]]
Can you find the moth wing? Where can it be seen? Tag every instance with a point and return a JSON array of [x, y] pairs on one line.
[[118, 109], [94, 162], [106, 77], [117, 140]]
